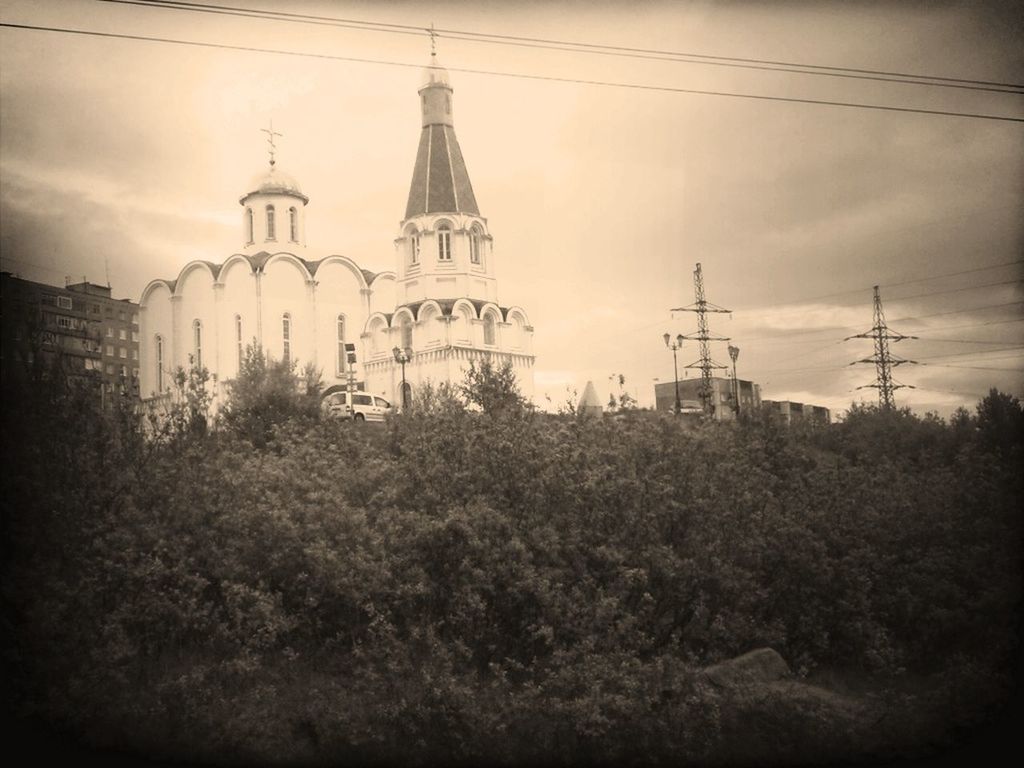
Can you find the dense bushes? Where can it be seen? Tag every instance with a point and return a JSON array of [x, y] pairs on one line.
[[486, 582]]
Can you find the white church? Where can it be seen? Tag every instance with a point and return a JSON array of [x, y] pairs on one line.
[[439, 308]]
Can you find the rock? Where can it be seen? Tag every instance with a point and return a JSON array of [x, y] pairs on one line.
[[763, 665]]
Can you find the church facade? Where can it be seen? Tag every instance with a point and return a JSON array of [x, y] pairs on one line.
[[437, 312]]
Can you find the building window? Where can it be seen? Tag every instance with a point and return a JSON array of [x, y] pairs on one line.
[[122, 353], [110, 369], [406, 334], [135, 318], [64, 302], [197, 342], [120, 314], [110, 350], [414, 247], [249, 237], [95, 309], [341, 344], [444, 243], [271, 232], [122, 335], [448, 105], [159, 363], [135, 354], [474, 245], [110, 332], [238, 340], [64, 322], [293, 224], [286, 338], [489, 329], [135, 336]]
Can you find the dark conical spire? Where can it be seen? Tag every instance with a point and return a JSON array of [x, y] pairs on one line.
[[440, 181]]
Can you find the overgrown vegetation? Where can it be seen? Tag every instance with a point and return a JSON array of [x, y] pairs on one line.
[[476, 581]]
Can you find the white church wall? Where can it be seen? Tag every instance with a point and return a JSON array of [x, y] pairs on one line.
[[194, 295], [284, 290], [155, 319], [383, 296], [338, 293], [236, 302]]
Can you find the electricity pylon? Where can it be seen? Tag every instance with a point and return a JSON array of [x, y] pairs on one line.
[[701, 306], [884, 361]]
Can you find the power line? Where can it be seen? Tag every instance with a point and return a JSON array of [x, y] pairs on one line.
[[519, 75], [588, 48], [956, 290], [1016, 348]]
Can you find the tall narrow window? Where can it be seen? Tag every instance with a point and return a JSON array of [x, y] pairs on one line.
[[238, 340], [197, 333], [341, 344], [249, 237], [286, 338], [444, 243], [293, 224], [406, 334], [489, 329], [414, 247], [474, 245], [271, 232], [159, 364]]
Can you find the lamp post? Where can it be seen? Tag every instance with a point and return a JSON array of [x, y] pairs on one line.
[[403, 356], [674, 346], [734, 352]]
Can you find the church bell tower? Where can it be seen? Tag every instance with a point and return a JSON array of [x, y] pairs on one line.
[[443, 248]]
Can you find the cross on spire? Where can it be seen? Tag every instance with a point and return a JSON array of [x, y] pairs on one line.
[[271, 133], [433, 41]]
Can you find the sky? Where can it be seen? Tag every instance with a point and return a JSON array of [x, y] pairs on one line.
[[124, 159]]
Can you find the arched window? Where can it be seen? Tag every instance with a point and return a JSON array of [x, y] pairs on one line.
[[406, 333], [448, 105], [286, 338], [159, 363], [414, 247], [249, 237], [293, 224], [474, 244], [444, 242], [197, 340], [489, 329], [341, 345], [271, 232], [238, 341]]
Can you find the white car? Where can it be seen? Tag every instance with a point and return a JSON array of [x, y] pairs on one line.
[[365, 407]]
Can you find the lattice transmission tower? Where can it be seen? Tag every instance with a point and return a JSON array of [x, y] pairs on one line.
[[884, 360], [702, 306]]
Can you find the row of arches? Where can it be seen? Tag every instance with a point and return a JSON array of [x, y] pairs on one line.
[[443, 231], [460, 323]]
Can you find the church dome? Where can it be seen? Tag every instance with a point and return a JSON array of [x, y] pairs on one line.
[[275, 182]]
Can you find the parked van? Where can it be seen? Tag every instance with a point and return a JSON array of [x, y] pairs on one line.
[[365, 407]]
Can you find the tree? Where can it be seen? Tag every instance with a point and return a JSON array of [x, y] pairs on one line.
[[493, 390], [268, 393], [1000, 422]]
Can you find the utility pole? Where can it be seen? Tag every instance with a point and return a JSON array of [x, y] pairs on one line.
[[701, 306], [884, 361]]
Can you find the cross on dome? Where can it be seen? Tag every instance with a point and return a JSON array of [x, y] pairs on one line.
[[271, 133]]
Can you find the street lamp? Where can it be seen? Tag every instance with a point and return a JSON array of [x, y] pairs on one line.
[[403, 356], [674, 346], [734, 352]]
